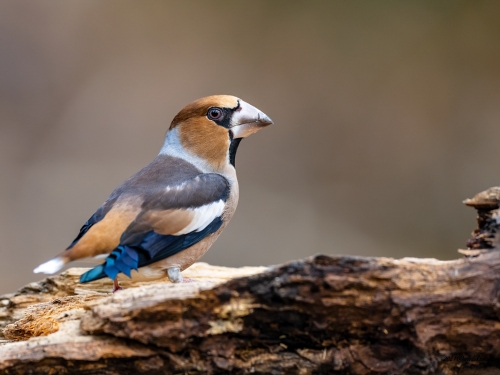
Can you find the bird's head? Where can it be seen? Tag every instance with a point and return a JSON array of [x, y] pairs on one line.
[[211, 128]]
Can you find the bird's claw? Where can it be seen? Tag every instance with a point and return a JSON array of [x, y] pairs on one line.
[[116, 286], [175, 276]]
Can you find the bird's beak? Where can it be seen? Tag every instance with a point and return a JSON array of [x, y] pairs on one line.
[[247, 120]]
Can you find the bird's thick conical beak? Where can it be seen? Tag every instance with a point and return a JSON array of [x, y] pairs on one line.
[[247, 120]]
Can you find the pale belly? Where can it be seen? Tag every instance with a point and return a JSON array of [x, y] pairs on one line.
[[183, 260]]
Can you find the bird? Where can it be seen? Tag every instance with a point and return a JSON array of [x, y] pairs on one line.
[[166, 216]]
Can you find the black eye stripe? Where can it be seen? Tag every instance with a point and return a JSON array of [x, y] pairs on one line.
[[221, 115]]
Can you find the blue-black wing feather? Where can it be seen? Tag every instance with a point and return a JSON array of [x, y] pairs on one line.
[[149, 249]]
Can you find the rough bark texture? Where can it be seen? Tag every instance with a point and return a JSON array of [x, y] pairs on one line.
[[486, 237], [322, 315]]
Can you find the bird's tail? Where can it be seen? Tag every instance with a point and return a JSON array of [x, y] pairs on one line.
[[122, 259], [95, 273], [52, 266]]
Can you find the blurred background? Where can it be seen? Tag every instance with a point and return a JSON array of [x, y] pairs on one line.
[[386, 117]]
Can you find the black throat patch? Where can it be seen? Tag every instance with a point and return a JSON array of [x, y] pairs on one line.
[[233, 147]]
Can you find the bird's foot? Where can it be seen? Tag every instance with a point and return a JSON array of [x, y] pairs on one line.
[[116, 286], [174, 275], [186, 280]]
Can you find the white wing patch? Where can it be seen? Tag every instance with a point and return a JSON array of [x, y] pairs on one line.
[[203, 216]]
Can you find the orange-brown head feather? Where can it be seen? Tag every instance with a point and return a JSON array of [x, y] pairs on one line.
[[200, 107], [202, 136], [210, 128]]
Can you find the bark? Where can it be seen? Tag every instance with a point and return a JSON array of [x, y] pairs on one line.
[[323, 315]]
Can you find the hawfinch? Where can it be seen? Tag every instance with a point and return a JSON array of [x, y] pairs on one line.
[[166, 216]]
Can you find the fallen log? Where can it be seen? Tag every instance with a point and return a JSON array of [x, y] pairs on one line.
[[347, 315]]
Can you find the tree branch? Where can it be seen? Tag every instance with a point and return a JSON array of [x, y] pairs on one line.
[[349, 315]]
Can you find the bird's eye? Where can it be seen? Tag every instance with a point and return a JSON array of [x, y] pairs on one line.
[[215, 113]]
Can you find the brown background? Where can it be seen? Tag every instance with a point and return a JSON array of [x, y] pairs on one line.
[[386, 116]]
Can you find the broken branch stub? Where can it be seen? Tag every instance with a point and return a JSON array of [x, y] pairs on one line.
[[486, 237]]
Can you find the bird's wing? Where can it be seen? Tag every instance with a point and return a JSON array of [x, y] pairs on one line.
[[171, 220], [94, 219]]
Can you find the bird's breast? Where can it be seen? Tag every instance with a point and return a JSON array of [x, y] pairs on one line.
[[232, 202]]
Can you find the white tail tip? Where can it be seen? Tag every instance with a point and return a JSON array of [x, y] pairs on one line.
[[50, 267]]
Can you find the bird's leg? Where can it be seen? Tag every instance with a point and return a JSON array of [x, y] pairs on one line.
[[116, 286], [174, 275]]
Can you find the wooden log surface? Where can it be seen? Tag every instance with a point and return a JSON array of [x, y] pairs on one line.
[[322, 315]]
